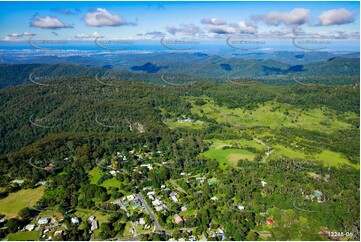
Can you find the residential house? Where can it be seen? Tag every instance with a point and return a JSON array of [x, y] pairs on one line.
[[270, 222], [94, 225], [74, 220], [43, 221], [30, 227]]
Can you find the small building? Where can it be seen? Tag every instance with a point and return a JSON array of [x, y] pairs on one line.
[[178, 219], [183, 208], [40, 183], [58, 232], [91, 218], [317, 194], [173, 194], [240, 207], [157, 202], [30, 227], [174, 198], [263, 183], [214, 198], [18, 181], [49, 167], [270, 222], [212, 183], [74, 220], [113, 173], [158, 208], [141, 221], [130, 197], [94, 225], [43, 221]]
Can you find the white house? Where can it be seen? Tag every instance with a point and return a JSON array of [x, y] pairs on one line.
[[157, 202], [43, 221], [174, 198], [94, 225], [130, 198], [214, 198], [74, 220], [240, 207], [30, 227]]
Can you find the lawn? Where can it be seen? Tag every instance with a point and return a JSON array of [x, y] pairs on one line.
[[95, 174], [28, 235], [328, 157], [228, 156], [14, 202], [219, 144], [111, 183]]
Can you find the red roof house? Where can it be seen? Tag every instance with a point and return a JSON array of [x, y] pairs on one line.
[[270, 222]]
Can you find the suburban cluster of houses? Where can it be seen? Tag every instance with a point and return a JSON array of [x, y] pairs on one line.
[[50, 228], [158, 204]]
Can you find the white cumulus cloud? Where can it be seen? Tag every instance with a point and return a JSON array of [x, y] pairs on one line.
[[48, 23], [336, 17], [100, 17], [296, 16]]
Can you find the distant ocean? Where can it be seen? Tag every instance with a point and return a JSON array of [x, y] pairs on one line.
[[209, 46]]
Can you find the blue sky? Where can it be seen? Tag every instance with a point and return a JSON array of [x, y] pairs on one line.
[[152, 20]]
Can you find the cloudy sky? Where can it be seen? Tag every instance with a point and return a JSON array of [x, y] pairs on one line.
[[152, 20]]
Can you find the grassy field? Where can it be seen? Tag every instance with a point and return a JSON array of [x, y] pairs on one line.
[[111, 183], [219, 144], [228, 156], [329, 158], [274, 115], [14, 202], [28, 235], [95, 175]]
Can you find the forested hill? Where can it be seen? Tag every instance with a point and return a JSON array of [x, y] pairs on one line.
[[334, 71], [29, 112]]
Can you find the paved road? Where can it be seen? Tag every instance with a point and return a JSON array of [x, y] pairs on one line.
[[149, 211]]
